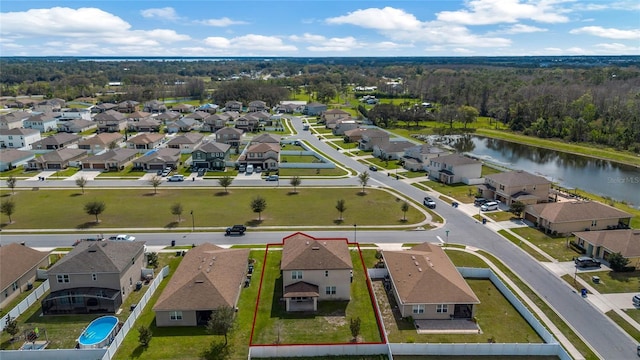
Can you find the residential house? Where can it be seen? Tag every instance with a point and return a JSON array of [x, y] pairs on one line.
[[233, 106], [49, 105], [13, 120], [230, 136], [257, 105], [333, 114], [144, 142], [184, 124], [601, 244], [25, 103], [215, 122], [154, 107], [353, 135], [57, 159], [103, 108], [18, 138], [209, 108], [114, 160], [454, 168], [56, 141], [333, 122], [145, 125], [186, 142], [516, 185], [416, 158], [393, 150], [95, 277], [247, 123], [372, 137], [138, 115], [43, 122], [128, 106], [265, 155], [76, 126], [183, 108], [110, 121], [315, 269], [208, 278], [18, 270], [314, 109], [198, 115], [571, 216], [168, 117], [12, 158], [267, 138], [158, 160], [101, 142], [73, 114], [427, 286], [290, 106], [344, 125], [210, 155]]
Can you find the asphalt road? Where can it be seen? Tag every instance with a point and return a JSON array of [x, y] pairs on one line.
[[603, 335]]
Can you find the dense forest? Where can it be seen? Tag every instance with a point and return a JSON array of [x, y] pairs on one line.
[[593, 100]]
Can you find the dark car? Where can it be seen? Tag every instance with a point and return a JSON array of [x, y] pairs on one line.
[[202, 171], [236, 229], [373, 168], [480, 201], [428, 202], [586, 262]]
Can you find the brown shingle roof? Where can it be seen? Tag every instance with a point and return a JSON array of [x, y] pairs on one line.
[[425, 275], [626, 242], [301, 289], [188, 138], [304, 252], [16, 260], [208, 277], [143, 139], [576, 211], [518, 178], [102, 139]]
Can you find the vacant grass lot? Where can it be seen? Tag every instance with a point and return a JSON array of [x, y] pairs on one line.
[[140, 208], [336, 171], [299, 158], [461, 192], [556, 247], [329, 325], [614, 282]]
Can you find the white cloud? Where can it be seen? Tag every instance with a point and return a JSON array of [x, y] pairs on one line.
[[389, 45], [486, 12], [609, 33], [166, 13], [222, 22], [522, 29], [249, 44], [463, 51], [306, 37], [336, 44], [387, 18], [617, 48]]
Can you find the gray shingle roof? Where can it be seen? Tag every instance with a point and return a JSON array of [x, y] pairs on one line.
[[98, 257]]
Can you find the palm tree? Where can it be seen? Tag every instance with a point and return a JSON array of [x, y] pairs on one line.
[[340, 206], [295, 182], [404, 207], [81, 182], [364, 179]]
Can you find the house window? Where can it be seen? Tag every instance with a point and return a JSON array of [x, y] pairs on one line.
[[6, 293], [10, 137], [296, 275], [418, 309], [501, 187], [442, 308], [94, 277], [63, 278], [14, 286], [326, 273], [330, 290], [175, 315], [594, 222]]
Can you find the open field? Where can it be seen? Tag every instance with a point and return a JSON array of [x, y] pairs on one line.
[[64, 209]]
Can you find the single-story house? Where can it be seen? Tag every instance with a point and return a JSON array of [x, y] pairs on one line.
[[426, 284], [168, 117], [115, 159], [57, 159], [138, 115], [13, 120], [198, 115], [101, 142], [154, 107], [267, 138], [601, 244], [12, 158], [158, 160], [315, 269], [230, 136], [344, 125], [571, 216], [184, 124], [18, 270], [144, 142], [95, 277], [104, 107], [55, 141], [208, 278], [183, 108], [145, 125], [19, 138], [333, 114], [353, 135], [210, 155], [516, 185], [210, 108], [76, 126], [186, 142], [454, 168]]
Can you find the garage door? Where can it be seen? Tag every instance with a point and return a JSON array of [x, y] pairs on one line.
[[53, 166], [99, 166], [156, 166], [530, 217]]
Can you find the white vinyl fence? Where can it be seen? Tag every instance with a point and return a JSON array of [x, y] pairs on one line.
[[25, 304], [269, 351]]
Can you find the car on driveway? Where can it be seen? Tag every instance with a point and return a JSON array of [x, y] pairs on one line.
[[428, 202], [491, 205], [586, 262], [480, 201], [636, 300]]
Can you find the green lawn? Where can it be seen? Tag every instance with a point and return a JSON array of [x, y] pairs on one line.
[[65, 173], [500, 215], [522, 245], [465, 259], [129, 208], [18, 173], [634, 314], [127, 172], [298, 158], [388, 165], [556, 247], [461, 192], [19, 298], [413, 174], [329, 325], [488, 170], [628, 328], [335, 172], [614, 282]]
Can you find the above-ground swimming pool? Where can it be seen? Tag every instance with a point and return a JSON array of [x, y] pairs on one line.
[[99, 333]]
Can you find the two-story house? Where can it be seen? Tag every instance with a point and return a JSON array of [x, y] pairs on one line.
[[101, 142], [315, 269], [110, 121], [95, 277], [128, 106], [516, 185], [265, 155], [145, 142], [154, 107], [210, 155], [158, 160], [257, 105], [454, 168], [215, 122], [344, 125], [373, 137], [43, 122], [247, 123], [55, 141], [314, 109], [18, 138], [333, 114], [13, 120], [18, 270], [416, 158], [233, 106], [230, 136], [186, 142]]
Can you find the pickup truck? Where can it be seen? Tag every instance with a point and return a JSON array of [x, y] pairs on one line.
[[236, 229]]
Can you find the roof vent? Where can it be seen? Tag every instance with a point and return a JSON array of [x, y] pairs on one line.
[[199, 281], [92, 250], [413, 257], [420, 269], [307, 243], [315, 248], [324, 243], [415, 262]]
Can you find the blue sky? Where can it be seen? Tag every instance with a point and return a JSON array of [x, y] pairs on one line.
[[306, 28]]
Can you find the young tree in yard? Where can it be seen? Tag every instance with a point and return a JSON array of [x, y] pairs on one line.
[[617, 262], [95, 208], [8, 207], [216, 351], [81, 182], [516, 208], [404, 207], [341, 207], [221, 322], [152, 259], [155, 182], [12, 327], [258, 205], [295, 182], [144, 336], [364, 179], [225, 182], [176, 209], [354, 326], [11, 183]]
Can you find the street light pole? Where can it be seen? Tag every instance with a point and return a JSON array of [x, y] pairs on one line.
[[193, 222], [447, 233], [355, 233]]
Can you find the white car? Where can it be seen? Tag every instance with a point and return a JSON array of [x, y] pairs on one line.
[[122, 237]]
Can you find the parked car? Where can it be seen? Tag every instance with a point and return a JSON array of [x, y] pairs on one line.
[[202, 172], [249, 170], [166, 171], [159, 172], [428, 202], [122, 237], [241, 168], [491, 205], [585, 261], [236, 229], [636, 300], [373, 168], [176, 178], [480, 201], [272, 178], [258, 169]]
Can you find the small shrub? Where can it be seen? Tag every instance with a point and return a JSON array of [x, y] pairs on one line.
[[144, 336]]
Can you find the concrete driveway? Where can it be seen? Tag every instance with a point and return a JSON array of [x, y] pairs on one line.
[[622, 300], [87, 174]]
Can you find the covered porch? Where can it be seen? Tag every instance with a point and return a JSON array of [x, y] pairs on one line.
[[301, 296]]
